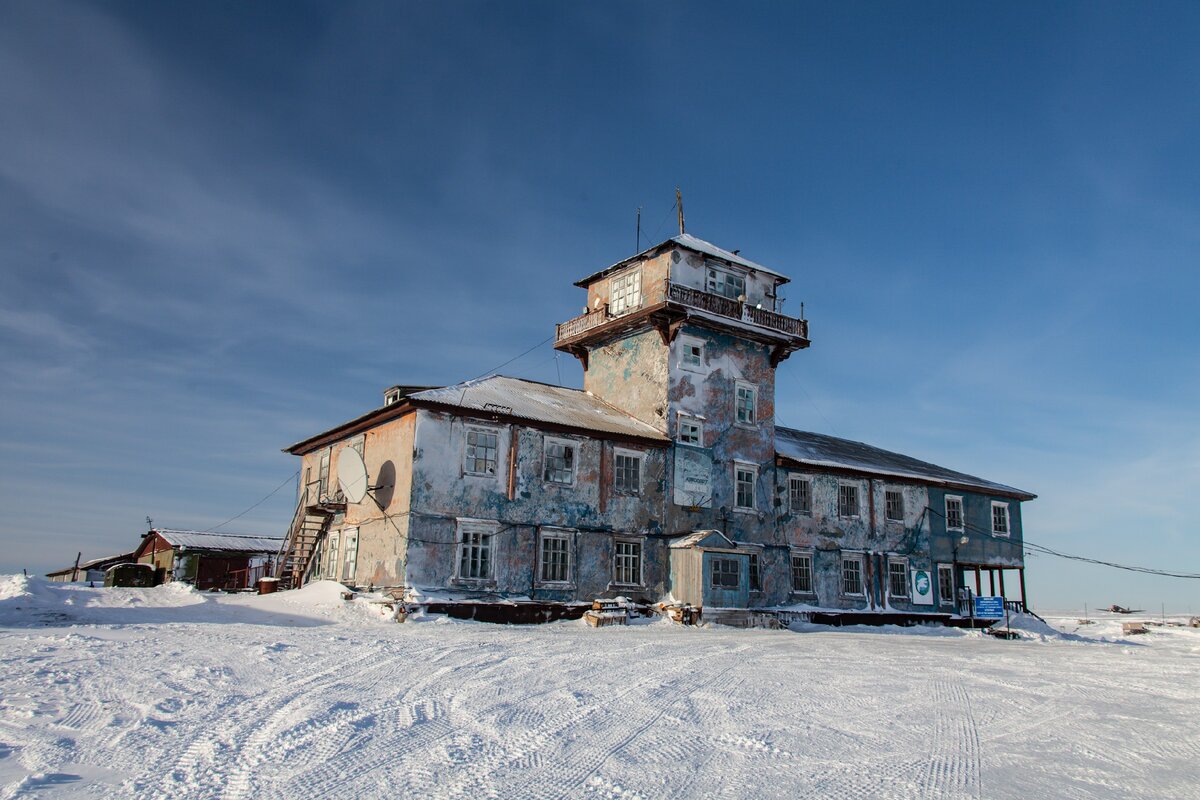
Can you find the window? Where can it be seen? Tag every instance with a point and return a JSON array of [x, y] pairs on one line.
[[559, 464], [357, 443], [946, 584], [481, 449], [852, 575], [627, 562], [627, 472], [744, 478], [894, 505], [554, 560], [350, 559], [746, 404], [847, 500], [755, 575], [691, 354], [475, 550], [800, 495], [625, 293], [999, 519], [725, 283], [898, 577], [691, 432], [802, 573], [954, 513], [331, 562], [323, 474], [725, 573]]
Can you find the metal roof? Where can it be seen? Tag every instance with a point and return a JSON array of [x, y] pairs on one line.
[[538, 402], [700, 539], [820, 450], [691, 243], [233, 542]]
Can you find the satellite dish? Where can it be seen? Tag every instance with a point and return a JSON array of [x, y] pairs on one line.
[[352, 475]]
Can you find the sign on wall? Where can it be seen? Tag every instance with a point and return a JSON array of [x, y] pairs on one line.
[[922, 588], [989, 607], [693, 478]]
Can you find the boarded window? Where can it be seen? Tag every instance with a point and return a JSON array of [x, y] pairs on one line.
[[627, 475], [627, 563], [625, 292], [480, 456], [954, 513], [559, 466], [847, 500], [744, 478], [802, 577], [852, 577], [898, 578], [894, 504], [556, 558], [800, 495], [726, 573]]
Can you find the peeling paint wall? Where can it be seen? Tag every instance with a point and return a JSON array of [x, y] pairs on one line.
[[981, 546], [654, 270], [691, 269], [632, 374]]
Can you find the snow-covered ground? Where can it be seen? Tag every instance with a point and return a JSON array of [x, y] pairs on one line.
[[169, 693]]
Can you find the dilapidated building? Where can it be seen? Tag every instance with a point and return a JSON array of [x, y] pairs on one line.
[[664, 478]]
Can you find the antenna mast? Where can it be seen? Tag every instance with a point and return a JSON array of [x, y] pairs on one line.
[[679, 205], [638, 248]]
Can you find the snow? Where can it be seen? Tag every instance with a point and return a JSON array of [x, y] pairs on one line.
[[168, 692]]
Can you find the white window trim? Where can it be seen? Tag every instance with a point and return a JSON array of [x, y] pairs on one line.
[[691, 341], [862, 575], [727, 272], [680, 418], [1007, 519], [753, 508], [798, 478], [945, 601], [349, 570], [737, 387], [489, 527], [332, 553], [499, 450], [574, 444], [858, 500], [630, 303], [812, 571], [903, 505], [571, 535], [641, 458], [641, 542], [907, 578], [962, 512]]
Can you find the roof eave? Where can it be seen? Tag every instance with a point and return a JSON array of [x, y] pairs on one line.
[[654, 250], [1000, 491]]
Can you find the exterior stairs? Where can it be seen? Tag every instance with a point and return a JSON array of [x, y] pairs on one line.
[[309, 525]]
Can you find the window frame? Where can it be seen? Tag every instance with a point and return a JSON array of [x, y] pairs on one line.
[[637, 456], [547, 441], [568, 535], [640, 543], [754, 572], [946, 599], [467, 431], [630, 279], [687, 419], [806, 555], [1007, 532], [685, 343], [333, 551], [323, 473], [888, 494], [739, 466], [961, 512], [857, 513], [487, 530], [794, 478], [739, 387], [349, 554], [856, 558], [903, 563], [713, 272], [735, 573]]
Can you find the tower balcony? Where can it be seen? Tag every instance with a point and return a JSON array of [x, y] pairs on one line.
[[669, 304]]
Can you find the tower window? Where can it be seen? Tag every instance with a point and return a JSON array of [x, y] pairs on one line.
[[625, 293], [725, 284], [746, 404]]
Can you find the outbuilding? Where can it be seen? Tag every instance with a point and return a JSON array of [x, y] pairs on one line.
[[208, 560]]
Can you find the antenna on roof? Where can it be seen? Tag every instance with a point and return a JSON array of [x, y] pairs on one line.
[[679, 205], [638, 247]]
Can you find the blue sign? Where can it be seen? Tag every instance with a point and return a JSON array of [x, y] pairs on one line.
[[989, 607]]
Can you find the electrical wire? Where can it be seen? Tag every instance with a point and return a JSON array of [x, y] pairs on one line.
[[286, 480]]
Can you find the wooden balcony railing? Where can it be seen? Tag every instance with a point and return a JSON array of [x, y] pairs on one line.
[[692, 298]]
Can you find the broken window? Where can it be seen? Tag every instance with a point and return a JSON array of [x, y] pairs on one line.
[[999, 519], [691, 354], [744, 479], [946, 584], [898, 577], [954, 513], [847, 500], [691, 432], [726, 573], [475, 550], [627, 562], [894, 505], [627, 472], [800, 495], [802, 577], [746, 404], [482, 446], [555, 558], [852, 577], [725, 284], [559, 465], [625, 292]]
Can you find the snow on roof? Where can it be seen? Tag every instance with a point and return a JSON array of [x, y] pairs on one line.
[[236, 542], [691, 243], [539, 402], [695, 538], [820, 450]]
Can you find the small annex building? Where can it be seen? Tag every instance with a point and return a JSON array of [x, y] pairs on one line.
[[92, 571], [664, 479], [208, 560]]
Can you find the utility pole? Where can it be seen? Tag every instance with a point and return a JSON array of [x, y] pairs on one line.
[[679, 205]]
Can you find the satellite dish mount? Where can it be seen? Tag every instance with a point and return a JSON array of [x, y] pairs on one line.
[[352, 477]]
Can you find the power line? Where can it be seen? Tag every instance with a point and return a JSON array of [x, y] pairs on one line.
[[286, 480]]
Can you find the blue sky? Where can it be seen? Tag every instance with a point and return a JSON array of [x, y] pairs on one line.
[[226, 226]]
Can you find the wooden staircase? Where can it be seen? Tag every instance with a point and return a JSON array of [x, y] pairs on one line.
[[309, 525]]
